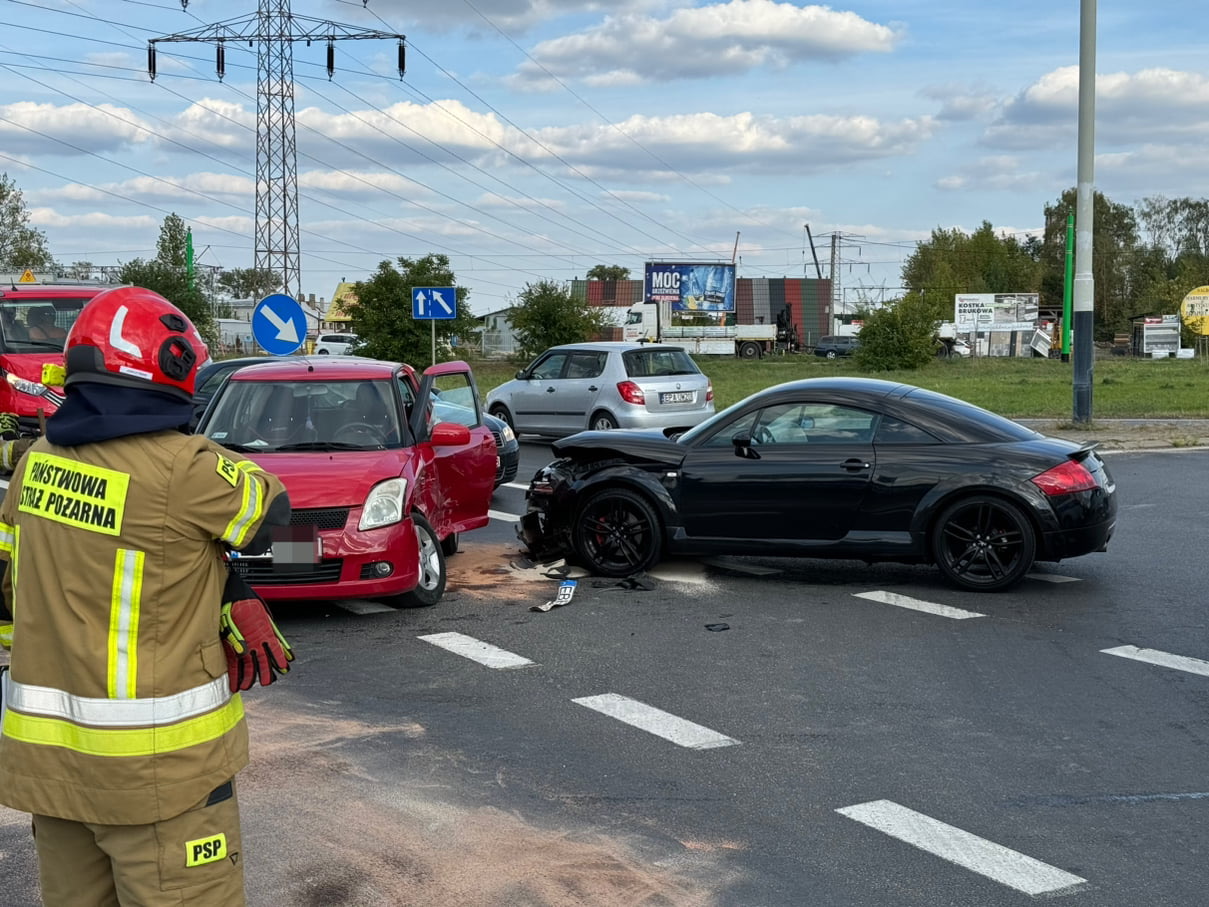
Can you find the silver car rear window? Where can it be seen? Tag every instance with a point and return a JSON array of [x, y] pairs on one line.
[[658, 362]]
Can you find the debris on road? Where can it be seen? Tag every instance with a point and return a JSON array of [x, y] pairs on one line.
[[566, 589]]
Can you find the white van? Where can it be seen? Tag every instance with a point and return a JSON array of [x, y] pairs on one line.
[[335, 344]]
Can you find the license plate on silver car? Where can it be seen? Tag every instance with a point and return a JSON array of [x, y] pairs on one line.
[[676, 397]]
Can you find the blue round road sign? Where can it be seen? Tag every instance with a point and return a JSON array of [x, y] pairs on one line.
[[279, 324]]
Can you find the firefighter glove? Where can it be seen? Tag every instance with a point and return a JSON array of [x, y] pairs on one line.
[[6, 635], [9, 426], [255, 644]]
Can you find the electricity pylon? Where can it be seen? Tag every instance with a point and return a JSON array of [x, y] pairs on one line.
[[274, 29]]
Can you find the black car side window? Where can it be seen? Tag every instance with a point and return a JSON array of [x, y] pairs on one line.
[[896, 431]]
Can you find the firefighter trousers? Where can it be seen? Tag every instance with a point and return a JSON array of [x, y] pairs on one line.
[[195, 858]]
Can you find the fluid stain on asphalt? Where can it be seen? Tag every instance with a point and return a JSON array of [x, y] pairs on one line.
[[329, 821]]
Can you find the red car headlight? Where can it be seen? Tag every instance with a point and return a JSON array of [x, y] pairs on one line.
[[384, 504]]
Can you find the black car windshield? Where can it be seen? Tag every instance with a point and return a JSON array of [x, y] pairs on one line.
[[38, 325], [268, 416]]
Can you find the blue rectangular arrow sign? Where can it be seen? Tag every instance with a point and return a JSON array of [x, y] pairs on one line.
[[433, 303]]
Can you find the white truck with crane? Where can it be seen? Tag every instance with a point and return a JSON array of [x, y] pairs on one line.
[[651, 322]]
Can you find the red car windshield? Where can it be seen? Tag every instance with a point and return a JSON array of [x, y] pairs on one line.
[[269, 416], [32, 325]]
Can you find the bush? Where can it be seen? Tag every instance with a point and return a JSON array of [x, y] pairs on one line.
[[899, 336]]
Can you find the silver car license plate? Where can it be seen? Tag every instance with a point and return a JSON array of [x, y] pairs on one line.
[[676, 397]]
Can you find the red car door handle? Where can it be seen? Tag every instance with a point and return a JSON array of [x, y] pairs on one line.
[[854, 465]]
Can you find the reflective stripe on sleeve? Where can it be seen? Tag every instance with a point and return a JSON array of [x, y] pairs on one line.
[[122, 741], [150, 711], [249, 511], [6, 537], [6, 455], [124, 606]]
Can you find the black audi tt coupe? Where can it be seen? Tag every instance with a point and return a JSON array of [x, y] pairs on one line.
[[832, 468]]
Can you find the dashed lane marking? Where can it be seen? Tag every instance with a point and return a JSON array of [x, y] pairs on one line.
[[656, 721], [1008, 867], [500, 515], [1162, 659], [476, 650], [363, 606], [903, 601], [523, 486], [1053, 578]]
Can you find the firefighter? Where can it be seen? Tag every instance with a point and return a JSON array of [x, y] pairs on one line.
[[122, 725]]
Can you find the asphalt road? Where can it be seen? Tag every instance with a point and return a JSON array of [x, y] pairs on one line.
[[823, 733]]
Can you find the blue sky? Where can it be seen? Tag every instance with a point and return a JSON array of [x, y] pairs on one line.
[[533, 139]]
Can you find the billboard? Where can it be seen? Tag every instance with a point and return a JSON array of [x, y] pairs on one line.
[[1195, 310], [996, 311], [691, 287]]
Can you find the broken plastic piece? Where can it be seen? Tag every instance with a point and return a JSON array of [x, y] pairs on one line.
[[566, 589]]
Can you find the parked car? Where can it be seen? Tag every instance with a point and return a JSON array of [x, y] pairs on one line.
[[962, 348], [827, 467], [34, 321], [604, 386], [382, 477], [832, 347], [335, 344], [211, 376]]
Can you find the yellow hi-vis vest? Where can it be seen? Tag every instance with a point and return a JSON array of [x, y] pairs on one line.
[[117, 705]]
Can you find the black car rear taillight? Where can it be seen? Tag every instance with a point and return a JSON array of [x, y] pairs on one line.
[[1065, 478]]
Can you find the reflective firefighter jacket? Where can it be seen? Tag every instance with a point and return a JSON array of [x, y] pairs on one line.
[[117, 705]]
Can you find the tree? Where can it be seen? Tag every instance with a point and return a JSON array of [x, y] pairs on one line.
[[250, 283], [21, 246], [166, 275], [1114, 243], [900, 335], [546, 315], [952, 262], [609, 272], [381, 315]]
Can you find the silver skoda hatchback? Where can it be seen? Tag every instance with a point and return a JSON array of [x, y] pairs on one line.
[[603, 386]]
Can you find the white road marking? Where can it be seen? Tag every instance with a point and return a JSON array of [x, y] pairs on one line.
[[656, 721], [1053, 578], [4, 483], [1008, 867], [506, 517], [363, 606], [476, 650], [523, 486], [1162, 659], [903, 601]]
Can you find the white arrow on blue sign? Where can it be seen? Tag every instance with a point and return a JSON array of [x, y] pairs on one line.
[[279, 324], [434, 303]]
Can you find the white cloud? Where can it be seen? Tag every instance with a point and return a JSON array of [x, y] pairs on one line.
[[703, 142], [50, 129], [958, 102], [1003, 172], [705, 42], [236, 189], [1130, 107]]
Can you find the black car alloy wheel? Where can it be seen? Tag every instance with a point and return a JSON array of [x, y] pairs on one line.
[[984, 543], [617, 533]]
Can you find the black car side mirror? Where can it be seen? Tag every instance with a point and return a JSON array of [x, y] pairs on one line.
[[743, 448]]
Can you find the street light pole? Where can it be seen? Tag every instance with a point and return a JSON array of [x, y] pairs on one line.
[[1084, 283]]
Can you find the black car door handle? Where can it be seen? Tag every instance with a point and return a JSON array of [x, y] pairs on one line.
[[854, 465], [549, 390], [593, 388]]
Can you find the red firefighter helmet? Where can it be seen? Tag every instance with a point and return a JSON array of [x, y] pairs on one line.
[[134, 337]]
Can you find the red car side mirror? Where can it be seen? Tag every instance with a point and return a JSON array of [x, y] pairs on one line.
[[449, 434]]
